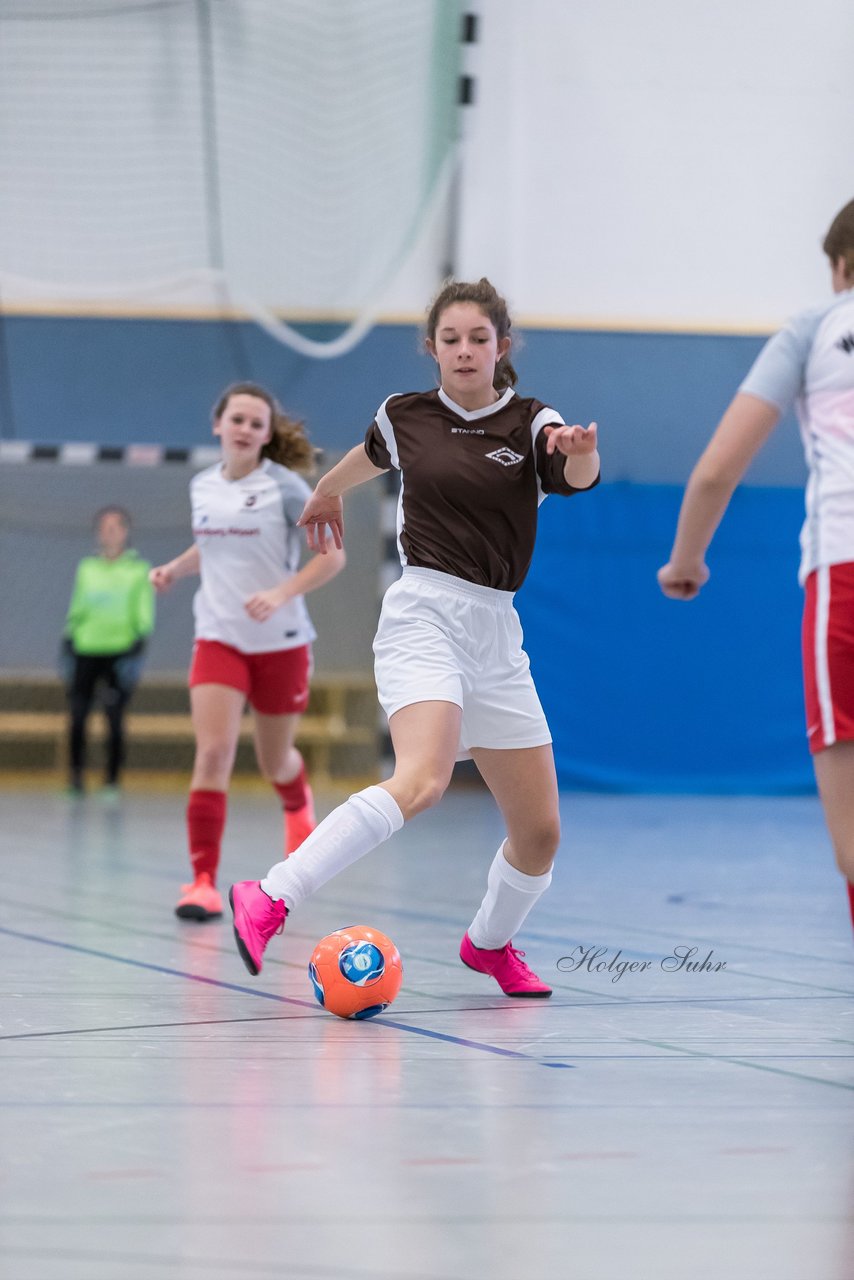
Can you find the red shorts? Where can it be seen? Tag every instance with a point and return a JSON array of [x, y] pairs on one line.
[[276, 683], [828, 653]]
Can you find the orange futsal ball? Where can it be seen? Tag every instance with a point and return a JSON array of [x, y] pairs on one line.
[[356, 972]]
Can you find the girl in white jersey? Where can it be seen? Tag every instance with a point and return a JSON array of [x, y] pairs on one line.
[[253, 634], [475, 461], [809, 364]]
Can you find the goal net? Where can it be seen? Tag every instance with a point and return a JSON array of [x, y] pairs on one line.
[[273, 157]]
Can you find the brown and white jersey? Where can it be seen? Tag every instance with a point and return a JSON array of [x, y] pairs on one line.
[[471, 482]]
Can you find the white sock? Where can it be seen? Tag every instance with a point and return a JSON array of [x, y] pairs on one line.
[[349, 832], [510, 895]]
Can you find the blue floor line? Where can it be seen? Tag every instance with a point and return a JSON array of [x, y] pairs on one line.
[[265, 995]]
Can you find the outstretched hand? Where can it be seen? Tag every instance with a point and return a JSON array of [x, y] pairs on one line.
[[571, 441], [161, 578], [318, 513], [682, 582]]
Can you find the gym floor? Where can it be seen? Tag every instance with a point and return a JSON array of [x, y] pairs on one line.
[[162, 1114]]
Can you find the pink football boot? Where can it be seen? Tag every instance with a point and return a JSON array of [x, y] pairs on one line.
[[506, 966], [257, 917], [199, 900]]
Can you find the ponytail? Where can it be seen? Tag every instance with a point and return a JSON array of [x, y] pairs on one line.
[[290, 446]]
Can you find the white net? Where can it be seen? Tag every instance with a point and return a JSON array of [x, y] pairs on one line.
[[276, 155]]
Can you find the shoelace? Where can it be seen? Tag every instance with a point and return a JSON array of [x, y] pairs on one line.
[[518, 961], [267, 932]]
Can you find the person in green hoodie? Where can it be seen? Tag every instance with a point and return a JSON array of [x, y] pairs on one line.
[[110, 616]]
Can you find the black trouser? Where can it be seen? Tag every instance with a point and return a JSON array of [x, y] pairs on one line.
[[118, 673]]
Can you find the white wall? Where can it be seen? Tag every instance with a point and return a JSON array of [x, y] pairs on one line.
[[648, 162], [660, 162]]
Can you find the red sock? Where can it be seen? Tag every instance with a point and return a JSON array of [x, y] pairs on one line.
[[205, 825], [851, 899], [292, 794]]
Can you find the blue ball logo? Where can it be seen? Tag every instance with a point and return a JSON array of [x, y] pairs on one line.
[[370, 1012], [316, 983], [361, 963]]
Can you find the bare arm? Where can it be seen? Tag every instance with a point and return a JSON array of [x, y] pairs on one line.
[[315, 573], [744, 428], [325, 507], [183, 566]]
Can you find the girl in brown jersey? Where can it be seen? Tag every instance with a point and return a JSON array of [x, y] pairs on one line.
[[475, 461]]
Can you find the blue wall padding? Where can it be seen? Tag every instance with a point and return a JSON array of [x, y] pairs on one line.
[[656, 396], [649, 694], [119, 381]]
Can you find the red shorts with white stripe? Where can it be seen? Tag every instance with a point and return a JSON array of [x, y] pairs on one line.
[[275, 683], [828, 652]]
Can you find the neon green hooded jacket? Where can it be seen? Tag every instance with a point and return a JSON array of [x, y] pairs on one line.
[[112, 604]]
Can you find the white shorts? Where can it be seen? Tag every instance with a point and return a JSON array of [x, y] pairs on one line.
[[443, 639]]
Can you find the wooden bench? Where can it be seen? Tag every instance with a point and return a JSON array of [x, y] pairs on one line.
[[339, 740]]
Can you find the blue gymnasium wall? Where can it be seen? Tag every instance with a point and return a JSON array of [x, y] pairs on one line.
[[656, 395], [642, 693], [649, 694]]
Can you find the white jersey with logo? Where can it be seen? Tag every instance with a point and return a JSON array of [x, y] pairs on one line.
[[810, 364], [248, 541]]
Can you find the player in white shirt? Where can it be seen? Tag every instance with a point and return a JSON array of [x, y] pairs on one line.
[[253, 632], [809, 365]]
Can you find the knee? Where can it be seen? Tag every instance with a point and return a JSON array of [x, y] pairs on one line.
[[534, 851], [79, 705], [416, 792], [279, 768], [544, 836], [266, 768], [215, 758], [844, 850], [114, 709]]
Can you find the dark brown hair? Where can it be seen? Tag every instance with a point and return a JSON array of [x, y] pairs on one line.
[[289, 445], [112, 510], [485, 296], [839, 241]]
